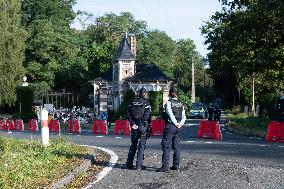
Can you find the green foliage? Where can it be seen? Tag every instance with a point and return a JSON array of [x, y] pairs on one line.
[[25, 96], [244, 120], [156, 46], [245, 40], [25, 116], [29, 164], [122, 109], [12, 38], [156, 101]]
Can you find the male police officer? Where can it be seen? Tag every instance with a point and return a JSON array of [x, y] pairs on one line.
[[175, 119], [138, 114]]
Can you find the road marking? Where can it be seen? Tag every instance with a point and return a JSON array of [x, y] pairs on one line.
[[107, 169], [281, 146], [117, 137], [99, 136], [229, 133], [190, 141], [263, 145], [208, 142]]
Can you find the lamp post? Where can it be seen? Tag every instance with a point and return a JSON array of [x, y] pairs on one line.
[[192, 81], [253, 103]]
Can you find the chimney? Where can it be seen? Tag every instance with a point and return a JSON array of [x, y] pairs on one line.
[[133, 44]]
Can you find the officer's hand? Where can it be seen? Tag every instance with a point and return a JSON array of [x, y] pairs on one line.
[[178, 125], [134, 126]]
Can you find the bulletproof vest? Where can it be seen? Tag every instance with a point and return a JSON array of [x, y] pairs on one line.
[[177, 108], [137, 108]]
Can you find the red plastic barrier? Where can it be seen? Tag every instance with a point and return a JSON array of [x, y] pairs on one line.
[[158, 126], [209, 129], [54, 125], [100, 127], [122, 127], [33, 126], [10, 124], [74, 126], [19, 125], [1, 123], [275, 132], [7, 124]]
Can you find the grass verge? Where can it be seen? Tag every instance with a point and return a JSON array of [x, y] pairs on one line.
[[244, 124], [29, 164]]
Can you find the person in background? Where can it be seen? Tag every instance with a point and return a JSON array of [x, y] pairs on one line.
[[280, 107]]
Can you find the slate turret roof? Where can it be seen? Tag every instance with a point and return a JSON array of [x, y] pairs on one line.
[[124, 52], [148, 73], [144, 73]]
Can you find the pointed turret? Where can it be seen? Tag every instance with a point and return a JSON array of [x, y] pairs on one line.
[[124, 52]]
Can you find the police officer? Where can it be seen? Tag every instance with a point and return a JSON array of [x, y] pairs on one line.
[[171, 137], [138, 113], [211, 111], [280, 107], [217, 113]]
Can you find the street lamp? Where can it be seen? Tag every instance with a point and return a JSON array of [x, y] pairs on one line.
[[192, 81]]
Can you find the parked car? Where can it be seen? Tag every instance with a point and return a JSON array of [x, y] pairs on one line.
[[198, 110]]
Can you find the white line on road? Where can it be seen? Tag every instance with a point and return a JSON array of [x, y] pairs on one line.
[[117, 137], [281, 146], [99, 136], [229, 133], [208, 142], [190, 141], [107, 169]]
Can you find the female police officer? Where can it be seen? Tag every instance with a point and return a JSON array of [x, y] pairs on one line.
[[171, 137], [138, 114]]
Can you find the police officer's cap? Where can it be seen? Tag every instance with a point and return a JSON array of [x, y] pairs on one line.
[[172, 90], [142, 90]]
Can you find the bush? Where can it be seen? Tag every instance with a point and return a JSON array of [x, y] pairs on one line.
[[121, 111], [25, 99], [156, 101], [25, 116]]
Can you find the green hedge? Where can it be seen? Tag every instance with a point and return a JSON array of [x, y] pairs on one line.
[[121, 111], [156, 101]]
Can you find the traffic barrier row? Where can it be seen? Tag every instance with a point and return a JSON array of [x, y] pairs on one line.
[[32, 125], [100, 127], [158, 126], [12, 125], [74, 126], [275, 132], [122, 127], [209, 129], [54, 125]]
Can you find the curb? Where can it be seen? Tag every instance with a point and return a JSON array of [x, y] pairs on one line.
[[107, 169], [89, 160]]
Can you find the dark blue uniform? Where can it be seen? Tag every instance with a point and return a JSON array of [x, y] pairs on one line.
[[171, 136], [280, 109], [138, 113]]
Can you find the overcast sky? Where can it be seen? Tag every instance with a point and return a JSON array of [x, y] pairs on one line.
[[180, 19]]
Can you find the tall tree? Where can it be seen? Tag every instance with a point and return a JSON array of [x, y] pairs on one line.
[[186, 54], [105, 34], [156, 46], [246, 41], [12, 44], [53, 48]]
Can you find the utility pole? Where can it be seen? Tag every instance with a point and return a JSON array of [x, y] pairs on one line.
[[192, 81], [253, 106]]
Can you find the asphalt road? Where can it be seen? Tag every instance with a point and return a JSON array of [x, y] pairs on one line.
[[235, 162]]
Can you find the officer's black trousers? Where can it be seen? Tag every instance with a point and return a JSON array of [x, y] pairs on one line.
[[171, 138], [137, 136]]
